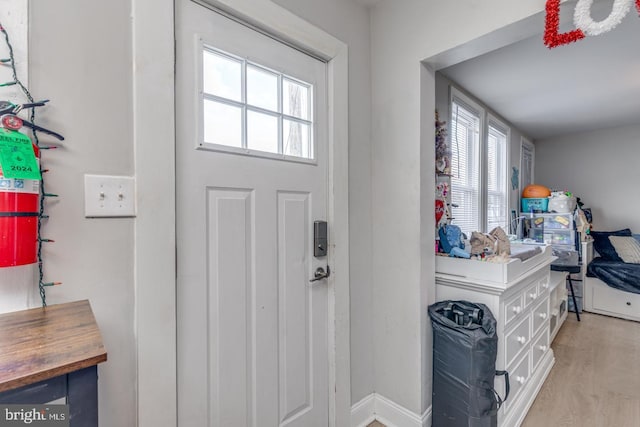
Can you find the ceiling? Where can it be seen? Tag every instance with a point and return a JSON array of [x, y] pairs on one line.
[[591, 84], [367, 2]]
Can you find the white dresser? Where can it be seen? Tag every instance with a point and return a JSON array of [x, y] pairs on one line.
[[518, 296]]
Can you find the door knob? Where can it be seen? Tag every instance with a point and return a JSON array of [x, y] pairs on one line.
[[320, 274]]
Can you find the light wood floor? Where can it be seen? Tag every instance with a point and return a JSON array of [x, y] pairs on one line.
[[595, 381], [596, 378]]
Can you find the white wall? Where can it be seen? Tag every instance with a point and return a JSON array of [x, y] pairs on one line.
[[601, 168], [405, 32], [80, 59], [349, 22]]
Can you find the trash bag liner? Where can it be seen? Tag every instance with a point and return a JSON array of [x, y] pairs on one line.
[[465, 347]]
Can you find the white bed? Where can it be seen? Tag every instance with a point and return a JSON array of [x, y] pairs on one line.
[[603, 299]]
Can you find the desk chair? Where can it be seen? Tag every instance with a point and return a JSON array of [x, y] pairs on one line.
[[569, 269]]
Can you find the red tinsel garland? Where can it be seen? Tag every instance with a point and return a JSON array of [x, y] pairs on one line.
[[552, 37]]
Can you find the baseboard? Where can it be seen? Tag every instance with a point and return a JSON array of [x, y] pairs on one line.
[[363, 412], [389, 413]]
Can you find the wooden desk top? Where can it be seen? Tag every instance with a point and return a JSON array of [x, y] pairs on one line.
[[42, 343]]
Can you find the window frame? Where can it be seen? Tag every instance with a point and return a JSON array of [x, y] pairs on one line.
[[477, 111], [501, 126], [486, 119], [201, 144]]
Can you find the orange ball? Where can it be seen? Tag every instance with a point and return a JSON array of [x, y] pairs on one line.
[[535, 191]]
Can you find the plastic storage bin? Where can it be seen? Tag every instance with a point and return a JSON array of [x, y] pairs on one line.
[[566, 256], [555, 229], [535, 204]]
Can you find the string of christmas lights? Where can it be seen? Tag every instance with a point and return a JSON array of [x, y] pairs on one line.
[[43, 194]]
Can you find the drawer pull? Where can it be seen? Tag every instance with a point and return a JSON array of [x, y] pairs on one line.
[[545, 285], [520, 379], [543, 316], [521, 340], [533, 296], [542, 348], [629, 303], [517, 309]]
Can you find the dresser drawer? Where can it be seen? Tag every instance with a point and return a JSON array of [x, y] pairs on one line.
[[540, 314], [615, 301], [539, 349], [518, 377], [512, 309], [544, 283], [517, 340], [530, 294]]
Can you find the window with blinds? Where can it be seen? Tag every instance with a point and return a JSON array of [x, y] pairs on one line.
[[465, 166], [497, 176], [479, 167]]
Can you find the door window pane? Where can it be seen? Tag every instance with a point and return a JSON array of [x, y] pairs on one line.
[[222, 76], [295, 99], [262, 132], [249, 106], [296, 137], [222, 124], [262, 88]]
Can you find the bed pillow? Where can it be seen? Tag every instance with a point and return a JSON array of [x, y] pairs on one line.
[[603, 246], [627, 248]]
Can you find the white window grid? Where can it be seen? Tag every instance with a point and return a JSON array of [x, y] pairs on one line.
[[479, 182], [497, 174], [466, 183], [246, 108]]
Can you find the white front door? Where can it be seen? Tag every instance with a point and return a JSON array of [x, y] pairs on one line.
[[251, 173]]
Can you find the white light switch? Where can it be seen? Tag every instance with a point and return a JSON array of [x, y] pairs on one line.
[[109, 196]]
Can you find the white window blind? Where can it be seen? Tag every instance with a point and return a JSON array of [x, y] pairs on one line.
[[479, 167], [465, 167], [497, 197]]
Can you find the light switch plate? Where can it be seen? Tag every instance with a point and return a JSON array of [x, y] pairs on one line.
[[109, 196]]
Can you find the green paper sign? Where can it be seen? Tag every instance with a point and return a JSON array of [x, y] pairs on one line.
[[17, 158]]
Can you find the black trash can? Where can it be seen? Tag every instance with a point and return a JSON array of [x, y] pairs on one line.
[[465, 346]]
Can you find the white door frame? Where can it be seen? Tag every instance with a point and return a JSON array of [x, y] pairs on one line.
[[154, 141]]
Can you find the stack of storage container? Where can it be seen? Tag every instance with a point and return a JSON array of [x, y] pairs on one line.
[[535, 198]]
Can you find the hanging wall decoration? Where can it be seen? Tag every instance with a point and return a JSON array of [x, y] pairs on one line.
[[443, 153], [22, 192], [514, 177], [585, 25], [552, 36], [443, 215]]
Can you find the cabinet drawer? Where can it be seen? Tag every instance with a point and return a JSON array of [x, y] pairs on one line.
[[517, 340], [614, 301], [539, 348], [512, 309], [540, 315], [544, 283], [518, 377], [530, 294]]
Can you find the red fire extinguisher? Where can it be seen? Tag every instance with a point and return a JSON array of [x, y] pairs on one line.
[[19, 211]]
